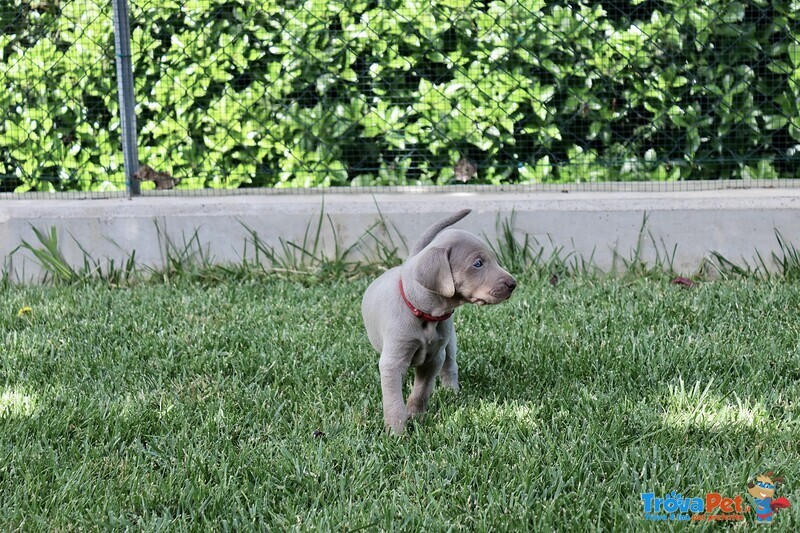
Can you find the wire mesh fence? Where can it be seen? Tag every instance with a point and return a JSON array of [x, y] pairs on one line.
[[58, 104], [232, 95]]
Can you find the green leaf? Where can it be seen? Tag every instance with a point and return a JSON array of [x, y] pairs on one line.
[[794, 53]]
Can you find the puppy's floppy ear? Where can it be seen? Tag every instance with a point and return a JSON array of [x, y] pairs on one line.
[[432, 271]]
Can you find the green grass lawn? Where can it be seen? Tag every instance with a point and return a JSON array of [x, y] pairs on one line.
[[186, 406]]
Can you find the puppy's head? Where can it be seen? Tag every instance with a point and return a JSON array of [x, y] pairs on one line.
[[457, 264]]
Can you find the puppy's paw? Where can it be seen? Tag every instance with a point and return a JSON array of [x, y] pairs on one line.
[[451, 383], [416, 407], [395, 426]]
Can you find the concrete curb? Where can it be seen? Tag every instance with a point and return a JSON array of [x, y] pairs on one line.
[[599, 225]]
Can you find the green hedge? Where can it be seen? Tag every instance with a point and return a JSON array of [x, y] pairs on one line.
[[334, 92]]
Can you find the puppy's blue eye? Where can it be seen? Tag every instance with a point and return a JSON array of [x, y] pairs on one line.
[[478, 263]]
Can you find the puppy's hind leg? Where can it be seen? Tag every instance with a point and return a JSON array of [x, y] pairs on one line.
[[449, 375], [424, 383]]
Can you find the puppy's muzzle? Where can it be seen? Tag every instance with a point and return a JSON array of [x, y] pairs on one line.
[[504, 287]]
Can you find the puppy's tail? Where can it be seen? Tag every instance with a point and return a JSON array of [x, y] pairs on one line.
[[434, 230]]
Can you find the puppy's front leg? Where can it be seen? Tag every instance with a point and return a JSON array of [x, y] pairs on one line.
[[393, 366]]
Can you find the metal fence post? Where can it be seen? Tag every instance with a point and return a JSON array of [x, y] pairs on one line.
[[127, 114]]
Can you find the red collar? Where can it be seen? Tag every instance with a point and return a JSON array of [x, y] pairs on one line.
[[421, 314]]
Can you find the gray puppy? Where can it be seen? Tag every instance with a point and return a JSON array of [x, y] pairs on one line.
[[408, 313]]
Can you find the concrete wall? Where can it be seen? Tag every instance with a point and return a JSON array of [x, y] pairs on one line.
[[597, 225]]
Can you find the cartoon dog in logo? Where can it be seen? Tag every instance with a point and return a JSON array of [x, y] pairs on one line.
[[762, 490]]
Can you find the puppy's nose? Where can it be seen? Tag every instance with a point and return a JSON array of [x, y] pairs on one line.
[[511, 283]]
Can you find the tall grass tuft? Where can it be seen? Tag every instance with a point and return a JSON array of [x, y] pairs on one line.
[[58, 270], [306, 258], [635, 265], [181, 259], [50, 257], [786, 261], [516, 256], [528, 255], [379, 254], [789, 261]]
